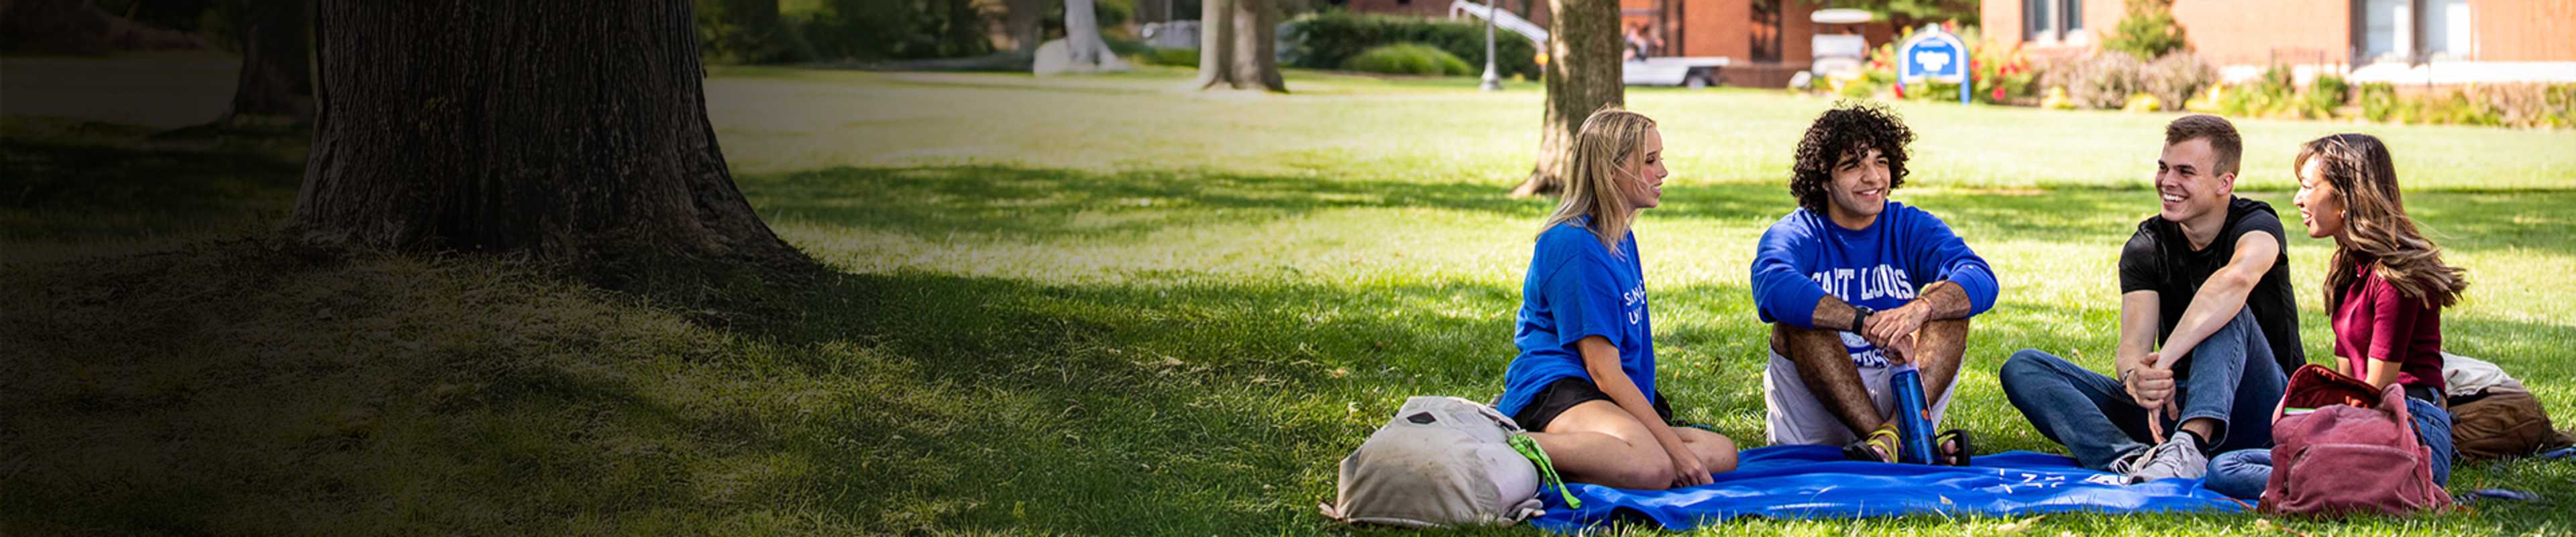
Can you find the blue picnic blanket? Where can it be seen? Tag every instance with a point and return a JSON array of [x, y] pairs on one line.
[[1800, 482]]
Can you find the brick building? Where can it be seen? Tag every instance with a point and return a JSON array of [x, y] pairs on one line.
[[1533, 10], [1765, 40], [2401, 41]]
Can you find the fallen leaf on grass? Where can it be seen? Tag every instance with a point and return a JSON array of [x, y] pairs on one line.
[[2019, 526]]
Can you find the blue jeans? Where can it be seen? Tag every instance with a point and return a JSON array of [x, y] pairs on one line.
[[2231, 378], [2245, 473]]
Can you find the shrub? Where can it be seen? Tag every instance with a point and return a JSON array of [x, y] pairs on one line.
[[2268, 95], [2331, 90], [1407, 59], [1326, 40], [2057, 99], [2105, 80], [2147, 32], [2379, 101], [1178, 57], [2142, 103], [2457, 109], [893, 29], [730, 35], [2004, 76], [2174, 78], [2525, 105]]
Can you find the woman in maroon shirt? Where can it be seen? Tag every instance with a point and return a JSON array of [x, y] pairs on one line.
[[2387, 285], [2385, 290]]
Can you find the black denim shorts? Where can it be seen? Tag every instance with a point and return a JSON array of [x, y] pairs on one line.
[[1564, 394]]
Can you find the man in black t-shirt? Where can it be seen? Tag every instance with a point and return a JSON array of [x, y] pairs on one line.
[[2207, 327]]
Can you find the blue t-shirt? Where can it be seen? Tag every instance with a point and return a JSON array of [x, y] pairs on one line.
[[1805, 256], [1575, 289]]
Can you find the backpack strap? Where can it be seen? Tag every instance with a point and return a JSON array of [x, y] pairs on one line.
[[1529, 448]]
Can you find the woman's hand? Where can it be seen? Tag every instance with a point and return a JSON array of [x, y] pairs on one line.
[[1687, 470]]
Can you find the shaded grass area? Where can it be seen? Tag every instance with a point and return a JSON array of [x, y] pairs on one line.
[[1159, 345], [73, 187]]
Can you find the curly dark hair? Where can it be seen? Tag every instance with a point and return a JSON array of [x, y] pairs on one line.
[[1850, 127]]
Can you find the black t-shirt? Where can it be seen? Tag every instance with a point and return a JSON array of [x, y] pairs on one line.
[[2159, 258]]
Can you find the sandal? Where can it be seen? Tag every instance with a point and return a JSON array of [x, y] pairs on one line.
[[1953, 457], [1879, 446]]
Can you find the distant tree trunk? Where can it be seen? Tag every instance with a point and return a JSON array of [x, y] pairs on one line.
[[1023, 22], [276, 73], [571, 132], [1582, 76], [77, 27], [1082, 32], [1237, 47], [1082, 37]]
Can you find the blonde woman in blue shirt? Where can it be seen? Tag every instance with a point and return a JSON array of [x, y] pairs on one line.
[[1584, 382]]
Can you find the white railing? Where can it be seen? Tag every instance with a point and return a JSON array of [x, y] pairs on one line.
[[1502, 19]]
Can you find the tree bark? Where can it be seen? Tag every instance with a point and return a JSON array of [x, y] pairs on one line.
[[1216, 43], [1582, 76], [1082, 41], [570, 132], [276, 73], [1237, 46]]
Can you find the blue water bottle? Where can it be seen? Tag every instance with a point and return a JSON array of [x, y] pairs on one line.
[[1912, 421]]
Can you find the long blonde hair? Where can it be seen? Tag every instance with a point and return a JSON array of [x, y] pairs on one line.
[[2375, 227], [1596, 180]]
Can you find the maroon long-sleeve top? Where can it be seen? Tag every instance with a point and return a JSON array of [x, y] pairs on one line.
[[2373, 321]]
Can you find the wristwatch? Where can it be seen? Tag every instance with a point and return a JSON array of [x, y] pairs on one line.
[[1860, 317]]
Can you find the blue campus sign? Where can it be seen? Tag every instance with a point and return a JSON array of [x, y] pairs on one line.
[[1933, 54]]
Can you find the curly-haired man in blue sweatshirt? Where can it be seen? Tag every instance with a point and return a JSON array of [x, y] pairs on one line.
[[1853, 283]]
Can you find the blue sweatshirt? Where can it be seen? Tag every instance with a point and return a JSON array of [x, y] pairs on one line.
[[1804, 257], [1577, 288]]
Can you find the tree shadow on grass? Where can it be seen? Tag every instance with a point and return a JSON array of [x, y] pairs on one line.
[[74, 180], [1042, 203], [1190, 408], [478, 399]]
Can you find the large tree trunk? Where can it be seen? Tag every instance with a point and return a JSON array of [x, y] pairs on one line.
[[571, 132], [1582, 76], [1237, 47], [76, 27], [276, 73]]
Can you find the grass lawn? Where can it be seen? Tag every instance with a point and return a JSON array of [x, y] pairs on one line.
[[1077, 305]]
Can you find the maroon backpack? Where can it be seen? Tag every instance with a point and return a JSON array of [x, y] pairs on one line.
[[2356, 452]]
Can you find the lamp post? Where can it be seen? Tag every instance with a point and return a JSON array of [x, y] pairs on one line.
[[1493, 81]]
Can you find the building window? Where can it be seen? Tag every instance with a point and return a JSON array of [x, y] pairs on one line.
[[2380, 20], [1766, 30], [2409, 30], [2050, 20], [2446, 28]]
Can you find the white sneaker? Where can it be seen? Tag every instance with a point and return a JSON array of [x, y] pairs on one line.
[[2179, 456]]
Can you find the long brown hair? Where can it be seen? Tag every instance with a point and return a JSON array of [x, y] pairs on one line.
[[1596, 181], [2376, 230]]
